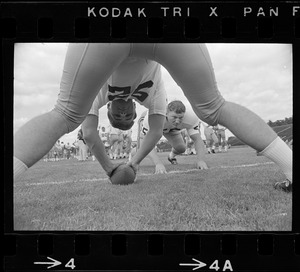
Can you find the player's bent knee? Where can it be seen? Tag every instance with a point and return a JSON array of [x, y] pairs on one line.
[[210, 112], [70, 122], [60, 123], [180, 149]]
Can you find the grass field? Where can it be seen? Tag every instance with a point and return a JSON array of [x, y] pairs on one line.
[[235, 194]]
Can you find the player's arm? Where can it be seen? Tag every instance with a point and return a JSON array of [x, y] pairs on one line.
[[200, 150], [92, 138], [156, 123], [159, 167]]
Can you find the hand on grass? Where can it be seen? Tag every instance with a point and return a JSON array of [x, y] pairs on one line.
[[134, 166], [160, 169], [201, 165]]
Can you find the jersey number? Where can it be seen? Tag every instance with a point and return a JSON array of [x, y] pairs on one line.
[[124, 92], [144, 130]]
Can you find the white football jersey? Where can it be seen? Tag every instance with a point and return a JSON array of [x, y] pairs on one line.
[[103, 133], [114, 130], [138, 79], [190, 122], [127, 133]]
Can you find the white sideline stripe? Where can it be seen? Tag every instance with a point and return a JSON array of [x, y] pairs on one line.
[[107, 181], [217, 167], [284, 130], [62, 182], [223, 167]]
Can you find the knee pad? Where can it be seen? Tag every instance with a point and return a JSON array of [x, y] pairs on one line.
[[210, 112]]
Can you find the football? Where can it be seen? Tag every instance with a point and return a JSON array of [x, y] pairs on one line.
[[123, 175]]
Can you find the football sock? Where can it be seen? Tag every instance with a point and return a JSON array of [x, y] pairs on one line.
[[282, 155], [172, 155], [19, 168]]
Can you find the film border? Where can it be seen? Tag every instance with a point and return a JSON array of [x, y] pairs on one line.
[[212, 21]]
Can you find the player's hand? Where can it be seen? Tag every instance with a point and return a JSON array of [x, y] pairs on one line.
[[160, 169], [201, 165], [113, 167], [134, 166]]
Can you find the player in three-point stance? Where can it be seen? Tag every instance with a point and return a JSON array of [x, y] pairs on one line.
[[178, 118], [89, 65]]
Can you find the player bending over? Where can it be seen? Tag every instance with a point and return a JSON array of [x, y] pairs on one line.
[[135, 79], [89, 65], [177, 119]]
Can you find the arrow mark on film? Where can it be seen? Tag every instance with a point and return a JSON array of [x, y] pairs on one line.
[[197, 265], [52, 264]]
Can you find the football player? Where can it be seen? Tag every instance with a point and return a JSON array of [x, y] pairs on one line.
[[134, 80], [89, 65], [115, 142], [178, 118], [211, 139], [220, 132], [127, 141]]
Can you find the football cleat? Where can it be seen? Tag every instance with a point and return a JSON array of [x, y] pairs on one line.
[[285, 186], [172, 160]]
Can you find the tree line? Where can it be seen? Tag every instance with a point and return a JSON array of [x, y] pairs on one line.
[[285, 121]]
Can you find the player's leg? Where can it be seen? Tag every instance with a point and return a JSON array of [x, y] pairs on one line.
[[219, 141], [119, 149], [112, 141], [35, 139], [262, 138], [224, 141], [241, 122], [116, 147], [209, 140], [80, 152], [120, 146], [86, 152], [128, 146], [110, 152], [214, 141], [208, 145], [86, 68], [110, 148], [178, 146], [195, 76]]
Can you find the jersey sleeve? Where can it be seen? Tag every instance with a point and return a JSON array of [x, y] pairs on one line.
[[95, 107], [100, 101], [192, 123]]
